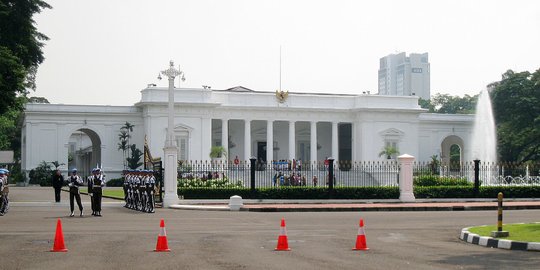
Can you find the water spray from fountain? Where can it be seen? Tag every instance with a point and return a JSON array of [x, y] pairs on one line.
[[484, 137], [484, 140]]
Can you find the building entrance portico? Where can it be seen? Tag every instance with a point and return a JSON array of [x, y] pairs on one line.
[[282, 140]]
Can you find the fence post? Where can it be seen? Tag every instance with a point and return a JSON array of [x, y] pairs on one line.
[[252, 182], [330, 177], [476, 177], [406, 178]]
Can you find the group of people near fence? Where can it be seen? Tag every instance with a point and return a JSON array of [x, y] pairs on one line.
[[139, 190], [293, 179], [287, 165], [280, 179], [4, 191]]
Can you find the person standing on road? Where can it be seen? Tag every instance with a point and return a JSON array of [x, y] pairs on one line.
[[97, 182], [74, 181], [57, 182], [90, 182]]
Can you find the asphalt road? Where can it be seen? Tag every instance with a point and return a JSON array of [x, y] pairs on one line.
[[125, 239]]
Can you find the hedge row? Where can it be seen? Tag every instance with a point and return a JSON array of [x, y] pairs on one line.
[[292, 193], [483, 192], [359, 192], [435, 180]]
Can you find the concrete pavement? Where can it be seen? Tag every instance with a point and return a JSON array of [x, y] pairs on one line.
[[124, 239]]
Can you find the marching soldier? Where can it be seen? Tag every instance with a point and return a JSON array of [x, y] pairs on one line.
[[90, 185], [74, 181], [131, 196], [96, 184], [150, 189], [126, 185], [4, 191]]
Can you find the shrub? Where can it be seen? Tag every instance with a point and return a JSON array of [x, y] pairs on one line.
[[41, 175], [291, 193], [483, 192], [358, 192], [435, 180], [115, 182]]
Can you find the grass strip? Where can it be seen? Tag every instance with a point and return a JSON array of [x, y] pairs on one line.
[[115, 193], [529, 232]]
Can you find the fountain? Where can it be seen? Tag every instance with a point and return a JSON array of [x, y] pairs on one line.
[[484, 138]]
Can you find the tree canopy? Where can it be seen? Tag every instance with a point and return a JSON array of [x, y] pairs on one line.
[[20, 50], [516, 109], [444, 103]]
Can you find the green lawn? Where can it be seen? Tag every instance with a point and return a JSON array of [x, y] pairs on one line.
[[116, 193], [520, 232]]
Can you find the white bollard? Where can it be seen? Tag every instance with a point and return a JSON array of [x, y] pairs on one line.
[[235, 203]]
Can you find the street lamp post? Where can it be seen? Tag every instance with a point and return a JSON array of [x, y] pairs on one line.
[[170, 150]]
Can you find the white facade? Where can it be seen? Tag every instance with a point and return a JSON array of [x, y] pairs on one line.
[[402, 75], [305, 126]]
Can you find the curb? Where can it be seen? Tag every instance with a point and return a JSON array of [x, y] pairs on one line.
[[382, 209], [199, 207], [491, 242]]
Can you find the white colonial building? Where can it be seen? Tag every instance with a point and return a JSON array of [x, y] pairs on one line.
[[302, 126]]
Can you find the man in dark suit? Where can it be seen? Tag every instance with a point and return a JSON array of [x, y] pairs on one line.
[[57, 183]]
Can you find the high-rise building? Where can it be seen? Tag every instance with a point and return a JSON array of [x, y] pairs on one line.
[[402, 75]]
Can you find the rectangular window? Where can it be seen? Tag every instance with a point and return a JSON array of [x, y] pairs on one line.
[[183, 148]]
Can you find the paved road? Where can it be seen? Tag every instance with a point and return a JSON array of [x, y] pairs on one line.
[[124, 239]]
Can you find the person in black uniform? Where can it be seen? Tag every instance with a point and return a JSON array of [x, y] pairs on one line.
[[57, 182], [90, 185], [125, 174], [74, 181], [97, 182]]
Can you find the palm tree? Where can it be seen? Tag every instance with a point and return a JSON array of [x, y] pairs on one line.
[[128, 128], [389, 151], [123, 144]]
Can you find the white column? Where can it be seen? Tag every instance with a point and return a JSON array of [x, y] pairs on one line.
[[247, 139], [170, 153], [206, 138], [313, 142], [269, 141], [171, 176], [406, 178], [292, 140], [225, 135], [335, 147]]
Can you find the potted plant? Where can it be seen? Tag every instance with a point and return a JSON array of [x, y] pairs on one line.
[[217, 152], [389, 152]]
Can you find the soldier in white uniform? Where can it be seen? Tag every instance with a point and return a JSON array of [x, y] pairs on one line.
[[4, 191], [74, 181], [95, 185]]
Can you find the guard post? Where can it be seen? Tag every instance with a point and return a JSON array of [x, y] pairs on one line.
[[500, 232]]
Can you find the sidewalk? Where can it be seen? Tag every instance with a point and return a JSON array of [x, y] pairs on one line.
[[361, 205]]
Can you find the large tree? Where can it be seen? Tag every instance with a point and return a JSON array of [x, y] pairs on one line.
[[444, 103], [516, 106], [20, 50]]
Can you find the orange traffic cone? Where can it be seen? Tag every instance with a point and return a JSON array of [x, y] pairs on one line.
[[361, 238], [162, 244], [59, 245], [282, 243]]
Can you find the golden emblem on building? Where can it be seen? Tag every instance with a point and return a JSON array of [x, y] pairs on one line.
[[282, 96]]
